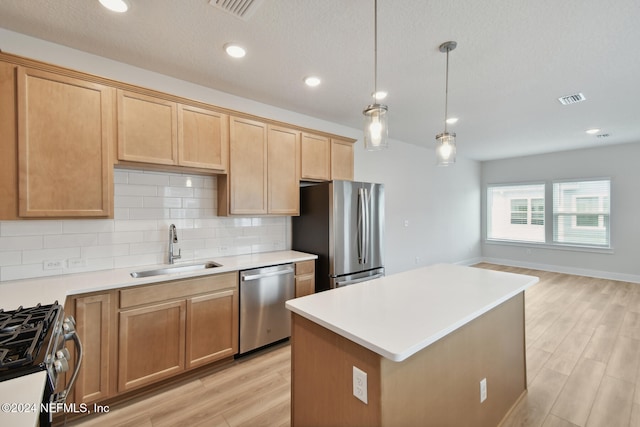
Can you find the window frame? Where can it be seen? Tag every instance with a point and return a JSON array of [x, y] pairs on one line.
[[548, 216]]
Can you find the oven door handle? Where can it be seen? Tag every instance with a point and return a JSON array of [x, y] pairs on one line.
[[62, 396]]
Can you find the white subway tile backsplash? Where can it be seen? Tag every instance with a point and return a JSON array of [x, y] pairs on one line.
[[20, 243], [70, 240], [41, 255], [145, 204], [30, 228]]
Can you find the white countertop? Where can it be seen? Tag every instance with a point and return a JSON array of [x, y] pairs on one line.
[[398, 315], [46, 290], [20, 400]]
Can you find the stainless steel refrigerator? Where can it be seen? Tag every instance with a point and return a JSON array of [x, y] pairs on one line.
[[343, 223]]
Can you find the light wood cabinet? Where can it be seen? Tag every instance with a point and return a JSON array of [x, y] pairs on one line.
[[212, 327], [247, 167], [8, 142], [95, 316], [151, 344], [147, 129], [283, 169], [264, 172], [158, 131], [65, 135], [315, 153], [174, 326], [203, 138], [305, 279], [341, 159]]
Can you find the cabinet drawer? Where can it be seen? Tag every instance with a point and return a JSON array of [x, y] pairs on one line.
[[183, 288], [305, 267]]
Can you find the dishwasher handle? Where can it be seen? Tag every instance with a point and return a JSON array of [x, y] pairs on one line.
[[249, 277]]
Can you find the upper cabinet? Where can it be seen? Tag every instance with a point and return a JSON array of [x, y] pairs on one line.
[[62, 131], [325, 159], [316, 157], [158, 131], [264, 171], [147, 129], [342, 159], [283, 170], [203, 138], [65, 135]]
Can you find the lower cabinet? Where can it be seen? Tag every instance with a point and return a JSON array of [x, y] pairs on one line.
[[217, 314], [169, 327], [152, 340], [305, 278], [96, 327]]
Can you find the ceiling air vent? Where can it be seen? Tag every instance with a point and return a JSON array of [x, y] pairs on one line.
[[572, 99], [242, 9]]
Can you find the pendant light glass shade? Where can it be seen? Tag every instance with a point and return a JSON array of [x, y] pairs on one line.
[[445, 149], [446, 142], [376, 131]]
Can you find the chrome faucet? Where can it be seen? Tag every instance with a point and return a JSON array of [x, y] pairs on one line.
[[173, 238]]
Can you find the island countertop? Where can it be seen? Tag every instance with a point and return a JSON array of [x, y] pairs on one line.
[[398, 315]]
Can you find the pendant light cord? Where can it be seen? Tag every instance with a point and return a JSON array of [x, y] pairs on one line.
[[446, 93], [375, 51]]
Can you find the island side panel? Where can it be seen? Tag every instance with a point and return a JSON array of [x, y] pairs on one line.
[[321, 378], [440, 385]]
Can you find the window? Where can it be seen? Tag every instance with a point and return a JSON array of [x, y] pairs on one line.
[[516, 212], [581, 212], [537, 211], [519, 208]]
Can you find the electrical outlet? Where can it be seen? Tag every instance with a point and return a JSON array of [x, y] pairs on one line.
[[360, 384], [483, 390], [76, 262], [53, 264]]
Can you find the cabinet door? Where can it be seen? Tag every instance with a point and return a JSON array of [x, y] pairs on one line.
[[212, 327], [341, 160], [315, 155], [203, 138], [248, 167], [283, 171], [151, 344], [147, 129], [95, 325], [305, 278], [64, 139], [8, 142]]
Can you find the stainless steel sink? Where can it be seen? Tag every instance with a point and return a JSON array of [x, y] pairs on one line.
[[175, 269]]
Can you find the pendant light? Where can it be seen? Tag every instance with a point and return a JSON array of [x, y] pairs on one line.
[[446, 142], [375, 115]]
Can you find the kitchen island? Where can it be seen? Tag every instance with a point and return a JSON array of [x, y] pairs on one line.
[[425, 339]]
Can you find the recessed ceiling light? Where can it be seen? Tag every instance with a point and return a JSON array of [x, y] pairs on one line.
[[380, 95], [452, 120], [592, 131], [115, 5], [312, 81], [234, 50]]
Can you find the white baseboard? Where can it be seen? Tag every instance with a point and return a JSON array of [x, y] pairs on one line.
[[633, 278]]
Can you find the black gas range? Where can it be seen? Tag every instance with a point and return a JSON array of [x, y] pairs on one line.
[[34, 339]]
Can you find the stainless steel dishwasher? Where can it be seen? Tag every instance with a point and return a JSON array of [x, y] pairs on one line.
[[263, 316]]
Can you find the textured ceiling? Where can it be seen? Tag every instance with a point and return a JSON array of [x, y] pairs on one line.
[[514, 59]]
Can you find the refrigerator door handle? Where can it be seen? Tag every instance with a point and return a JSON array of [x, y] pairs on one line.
[[354, 281], [367, 226], [360, 231]]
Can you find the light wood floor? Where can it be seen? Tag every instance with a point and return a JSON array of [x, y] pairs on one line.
[[583, 357]]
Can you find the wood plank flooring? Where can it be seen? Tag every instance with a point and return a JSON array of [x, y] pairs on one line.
[[583, 368]]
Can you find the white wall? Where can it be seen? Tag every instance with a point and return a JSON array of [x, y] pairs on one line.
[[620, 163], [441, 204]]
